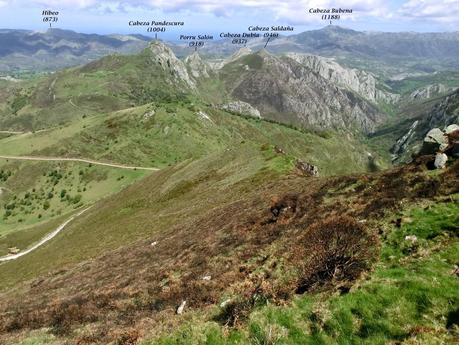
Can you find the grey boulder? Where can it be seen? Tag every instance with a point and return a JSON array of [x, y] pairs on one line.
[[440, 160], [435, 141]]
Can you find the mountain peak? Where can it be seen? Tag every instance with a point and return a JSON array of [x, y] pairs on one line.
[[198, 67], [162, 52], [158, 44], [194, 56], [263, 53], [165, 57], [240, 53], [338, 29]]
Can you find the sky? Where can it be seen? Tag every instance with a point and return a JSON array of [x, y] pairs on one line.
[[217, 16]]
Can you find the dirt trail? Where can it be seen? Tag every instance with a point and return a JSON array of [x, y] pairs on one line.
[[28, 132], [11, 132], [43, 240], [60, 159]]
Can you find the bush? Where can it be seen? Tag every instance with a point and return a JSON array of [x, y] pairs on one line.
[[338, 249]]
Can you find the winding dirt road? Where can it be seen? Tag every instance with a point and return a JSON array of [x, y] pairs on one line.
[[80, 160], [43, 240]]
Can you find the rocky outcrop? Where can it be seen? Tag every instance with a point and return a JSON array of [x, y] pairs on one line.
[[452, 131], [435, 141], [306, 169], [148, 115], [445, 112], [361, 82], [442, 144], [181, 308], [402, 143], [430, 91], [289, 92], [241, 108], [164, 56], [440, 160], [426, 136], [197, 67], [203, 116]]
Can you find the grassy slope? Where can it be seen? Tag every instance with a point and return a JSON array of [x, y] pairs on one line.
[[236, 147], [203, 207], [166, 198], [411, 297], [177, 133], [73, 104], [111, 83], [173, 134], [228, 153], [408, 85], [36, 191]]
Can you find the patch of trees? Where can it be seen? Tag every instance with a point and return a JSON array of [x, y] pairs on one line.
[[4, 175]]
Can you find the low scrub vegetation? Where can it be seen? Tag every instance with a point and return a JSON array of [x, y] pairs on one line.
[[293, 241]]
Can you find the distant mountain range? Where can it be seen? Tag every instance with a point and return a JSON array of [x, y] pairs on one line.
[[56, 48], [387, 53]]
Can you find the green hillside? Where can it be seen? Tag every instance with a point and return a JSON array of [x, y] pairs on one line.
[[111, 83], [135, 136], [187, 202], [255, 229]]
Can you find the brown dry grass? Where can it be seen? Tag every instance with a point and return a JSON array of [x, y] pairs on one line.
[[293, 235]]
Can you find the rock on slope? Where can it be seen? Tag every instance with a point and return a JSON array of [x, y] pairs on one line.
[[241, 108]]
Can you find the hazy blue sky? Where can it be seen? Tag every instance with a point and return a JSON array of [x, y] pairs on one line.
[[215, 16]]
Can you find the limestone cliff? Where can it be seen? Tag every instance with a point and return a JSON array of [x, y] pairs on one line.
[[361, 82], [287, 91]]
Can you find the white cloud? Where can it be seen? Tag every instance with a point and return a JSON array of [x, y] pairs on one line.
[[298, 11], [295, 11], [64, 4], [286, 11], [446, 11]]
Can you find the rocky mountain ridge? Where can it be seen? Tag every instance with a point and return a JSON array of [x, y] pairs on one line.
[[443, 114], [273, 87], [359, 81], [287, 91], [429, 91], [23, 50], [197, 66], [165, 57]]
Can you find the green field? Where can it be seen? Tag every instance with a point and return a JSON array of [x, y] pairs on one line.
[[408, 85], [38, 193]]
